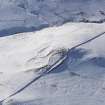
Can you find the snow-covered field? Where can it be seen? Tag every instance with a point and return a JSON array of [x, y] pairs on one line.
[[62, 65]]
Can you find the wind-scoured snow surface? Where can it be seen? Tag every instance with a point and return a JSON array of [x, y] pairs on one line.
[[30, 15], [62, 65]]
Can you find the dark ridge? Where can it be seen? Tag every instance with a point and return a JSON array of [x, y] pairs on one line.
[[89, 21], [22, 29], [15, 30]]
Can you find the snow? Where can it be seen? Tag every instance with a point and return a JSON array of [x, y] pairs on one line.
[[33, 47], [57, 65], [30, 15], [52, 52]]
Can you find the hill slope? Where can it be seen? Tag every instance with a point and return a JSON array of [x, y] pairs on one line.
[[58, 65]]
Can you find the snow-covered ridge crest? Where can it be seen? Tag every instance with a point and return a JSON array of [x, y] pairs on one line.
[[33, 50]]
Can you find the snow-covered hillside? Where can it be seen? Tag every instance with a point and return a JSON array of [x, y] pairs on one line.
[[30, 15], [62, 65], [52, 52]]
